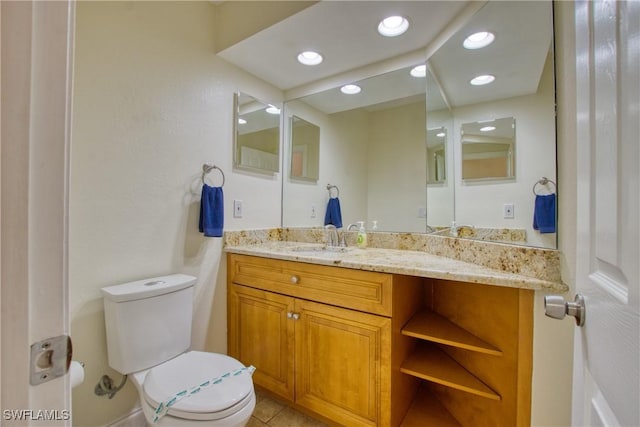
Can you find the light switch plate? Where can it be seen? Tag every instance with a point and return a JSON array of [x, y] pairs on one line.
[[508, 211], [237, 208]]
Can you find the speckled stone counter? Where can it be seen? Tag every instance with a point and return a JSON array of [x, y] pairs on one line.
[[411, 254]]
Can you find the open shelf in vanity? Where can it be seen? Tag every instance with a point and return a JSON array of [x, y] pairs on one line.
[[471, 352], [432, 364]]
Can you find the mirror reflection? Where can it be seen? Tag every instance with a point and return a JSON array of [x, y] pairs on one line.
[[257, 136], [372, 147], [436, 155], [377, 145], [520, 60], [488, 149], [305, 150]]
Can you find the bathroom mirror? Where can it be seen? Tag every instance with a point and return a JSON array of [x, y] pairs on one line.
[[305, 150], [372, 148], [488, 149], [376, 169], [257, 135], [436, 155]]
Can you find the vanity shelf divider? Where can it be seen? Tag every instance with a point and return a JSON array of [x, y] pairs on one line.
[[432, 364], [430, 326]]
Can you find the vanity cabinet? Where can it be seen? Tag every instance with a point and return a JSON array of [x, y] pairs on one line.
[[325, 338], [330, 354], [364, 348]]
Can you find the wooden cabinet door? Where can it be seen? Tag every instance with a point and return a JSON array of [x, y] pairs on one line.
[[261, 334], [341, 371]]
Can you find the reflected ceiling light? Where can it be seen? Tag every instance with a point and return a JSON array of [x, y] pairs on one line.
[[440, 135], [242, 122], [419, 71], [309, 58], [487, 128], [393, 26], [272, 109], [350, 89], [482, 80], [478, 40]]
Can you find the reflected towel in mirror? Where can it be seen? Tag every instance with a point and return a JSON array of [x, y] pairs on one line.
[[544, 213], [211, 211], [333, 214]]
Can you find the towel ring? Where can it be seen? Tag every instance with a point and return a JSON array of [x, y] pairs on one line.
[[544, 181], [329, 187], [208, 168]]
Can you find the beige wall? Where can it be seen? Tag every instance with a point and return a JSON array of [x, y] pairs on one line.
[[396, 156], [152, 103]]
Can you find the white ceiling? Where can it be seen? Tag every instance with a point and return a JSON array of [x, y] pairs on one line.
[[523, 31], [345, 33]]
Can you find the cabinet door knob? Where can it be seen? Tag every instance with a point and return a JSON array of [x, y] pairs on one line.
[[295, 280], [289, 315], [296, 316]]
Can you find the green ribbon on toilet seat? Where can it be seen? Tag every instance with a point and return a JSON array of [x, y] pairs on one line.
[[163, 407]]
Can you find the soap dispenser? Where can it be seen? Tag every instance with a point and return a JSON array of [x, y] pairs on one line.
[[361, 240], [453, 231]]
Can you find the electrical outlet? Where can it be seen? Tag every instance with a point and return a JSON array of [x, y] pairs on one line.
[[313, 211], [508, 211], [237, 208]]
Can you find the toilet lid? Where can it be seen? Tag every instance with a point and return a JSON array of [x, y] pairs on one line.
[[193, 368]]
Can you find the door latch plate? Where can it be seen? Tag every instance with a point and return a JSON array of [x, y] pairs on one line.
[[50, 358]]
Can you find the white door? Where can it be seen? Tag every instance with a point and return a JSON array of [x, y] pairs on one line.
[[37, 42], [607, 349]]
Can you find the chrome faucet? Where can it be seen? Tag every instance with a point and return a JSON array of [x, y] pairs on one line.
[[332, 235]]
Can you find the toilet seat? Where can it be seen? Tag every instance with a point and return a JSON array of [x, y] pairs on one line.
[[191, 369]]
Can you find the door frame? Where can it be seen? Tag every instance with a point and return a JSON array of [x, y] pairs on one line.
[[37, 62]]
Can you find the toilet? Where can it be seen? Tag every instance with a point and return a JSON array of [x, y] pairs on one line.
[[148, 325]]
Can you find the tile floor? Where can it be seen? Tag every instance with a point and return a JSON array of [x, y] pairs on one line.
[[270, 412]]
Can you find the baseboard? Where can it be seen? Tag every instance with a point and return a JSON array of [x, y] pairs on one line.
[[134, 419]]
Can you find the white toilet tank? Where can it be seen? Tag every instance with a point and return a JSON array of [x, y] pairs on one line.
[[148, 321]]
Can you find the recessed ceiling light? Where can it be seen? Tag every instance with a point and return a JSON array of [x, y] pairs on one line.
[[487, 128], [440, 135], [350, 89], [478, 40], [242, 122], [419, 71], [272, 109], [309, 58], [393, 26], [482, 80]]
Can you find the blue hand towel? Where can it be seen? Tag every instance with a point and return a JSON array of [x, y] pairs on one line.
[[211, 211], [333, 214], [544, 213]]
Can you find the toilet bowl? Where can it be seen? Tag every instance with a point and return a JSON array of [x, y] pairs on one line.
[[148, 325], [229, 403]]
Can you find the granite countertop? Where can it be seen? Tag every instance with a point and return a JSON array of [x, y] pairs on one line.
[[406, 262]]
